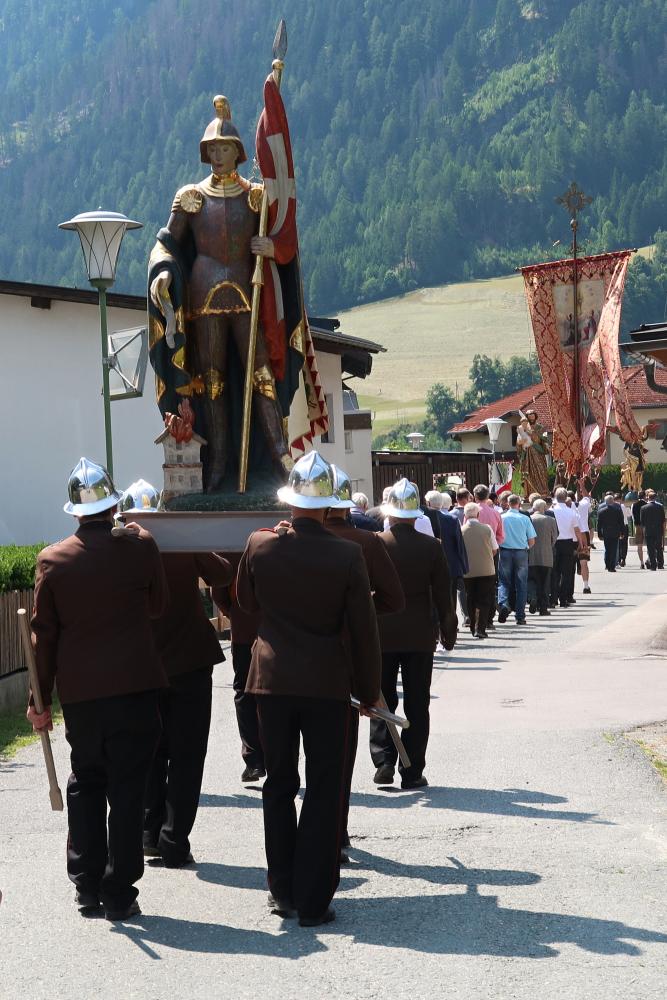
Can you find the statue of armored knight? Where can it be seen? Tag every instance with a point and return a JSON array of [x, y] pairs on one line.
[[200, 292]]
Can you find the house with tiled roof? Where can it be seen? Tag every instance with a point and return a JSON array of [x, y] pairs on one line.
[[649, 407]]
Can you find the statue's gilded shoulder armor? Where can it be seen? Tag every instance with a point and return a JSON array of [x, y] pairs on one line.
[[255, 193], [189, 199]]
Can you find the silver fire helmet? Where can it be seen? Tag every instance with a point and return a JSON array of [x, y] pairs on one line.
[[403, 501], [310, 484], [140, 496], [90, 489], [342, 487]]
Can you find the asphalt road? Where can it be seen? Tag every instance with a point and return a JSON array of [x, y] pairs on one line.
[[535, 864]]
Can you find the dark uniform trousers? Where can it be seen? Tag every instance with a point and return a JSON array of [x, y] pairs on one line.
[[246, 707], [416, 671], [304, 859], [481, 594], [562, 574], [538, 586], [113, 741], [610, 543], [653, 540], [175, 778]]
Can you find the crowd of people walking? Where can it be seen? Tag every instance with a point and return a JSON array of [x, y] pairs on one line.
[[326, 611], [510, 554]]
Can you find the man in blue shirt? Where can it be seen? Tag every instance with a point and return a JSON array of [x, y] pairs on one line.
[[513, 566]]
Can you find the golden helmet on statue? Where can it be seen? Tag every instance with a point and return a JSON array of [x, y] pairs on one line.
[[221, 127]]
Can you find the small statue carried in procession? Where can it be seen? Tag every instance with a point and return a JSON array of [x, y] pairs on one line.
[[634, 463], [227, 326], [531, 446]]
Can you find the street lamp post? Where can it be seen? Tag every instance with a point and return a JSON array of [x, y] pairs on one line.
[[493, 425], [101, 234]]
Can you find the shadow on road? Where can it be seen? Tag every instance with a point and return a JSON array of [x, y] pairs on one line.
[[505, 802], [444, 664], [454, 874], [452, 923], [253, 877], [467, 923], [233, 801], [217, 939]]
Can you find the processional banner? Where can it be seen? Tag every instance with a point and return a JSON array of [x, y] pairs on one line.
[[602, 393]]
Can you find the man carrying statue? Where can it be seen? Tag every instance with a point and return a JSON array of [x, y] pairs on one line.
[[200, 281]]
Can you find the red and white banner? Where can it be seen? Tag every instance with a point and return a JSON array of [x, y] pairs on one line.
[[282, 309], [550, 294]]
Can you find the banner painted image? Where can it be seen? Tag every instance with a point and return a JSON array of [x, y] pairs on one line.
[[590, 297]]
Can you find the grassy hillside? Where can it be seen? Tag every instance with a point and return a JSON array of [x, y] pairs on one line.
[[431, 336]]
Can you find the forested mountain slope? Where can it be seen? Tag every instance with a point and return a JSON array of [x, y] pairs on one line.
[[430, 139]]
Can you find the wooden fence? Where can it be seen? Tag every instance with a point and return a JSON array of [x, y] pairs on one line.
[[12, 657], [420, 467]]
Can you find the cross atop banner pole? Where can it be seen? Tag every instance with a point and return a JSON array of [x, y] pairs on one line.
[[575, 200]]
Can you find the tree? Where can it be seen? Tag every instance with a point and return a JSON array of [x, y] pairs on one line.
[[491, 378], [520, 373], [487, 378], [442, 409]]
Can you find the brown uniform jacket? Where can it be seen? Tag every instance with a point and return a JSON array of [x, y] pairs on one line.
[[312, 589], [243, 626], [94, 598], [184, 637], [422, 570], [385, 584]]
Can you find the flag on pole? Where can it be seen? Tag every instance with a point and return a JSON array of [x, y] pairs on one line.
[[282, 312]]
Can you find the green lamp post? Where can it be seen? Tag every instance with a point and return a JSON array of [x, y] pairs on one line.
[[101, 234]]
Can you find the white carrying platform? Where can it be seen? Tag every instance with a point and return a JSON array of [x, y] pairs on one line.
[[198, 531]]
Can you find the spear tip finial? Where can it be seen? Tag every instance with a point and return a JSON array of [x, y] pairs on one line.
[[280, 41]]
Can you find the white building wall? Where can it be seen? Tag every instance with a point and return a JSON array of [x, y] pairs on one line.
[[358, 462], [331, 378], [51, 413]]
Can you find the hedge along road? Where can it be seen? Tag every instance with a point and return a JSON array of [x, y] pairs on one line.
[[533, 865]]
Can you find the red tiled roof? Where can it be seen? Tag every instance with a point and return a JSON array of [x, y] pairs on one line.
[[534, 397], [640, 394]]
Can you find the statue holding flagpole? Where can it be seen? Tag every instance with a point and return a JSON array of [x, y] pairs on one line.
[[227, 325], [531, 448]]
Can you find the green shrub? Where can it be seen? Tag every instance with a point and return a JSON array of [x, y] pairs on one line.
[[17, 566]]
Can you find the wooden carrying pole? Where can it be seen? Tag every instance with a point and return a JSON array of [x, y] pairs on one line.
[[54, 791]]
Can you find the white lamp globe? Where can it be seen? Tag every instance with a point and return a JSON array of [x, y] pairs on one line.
[[101, 234], [493, 425]]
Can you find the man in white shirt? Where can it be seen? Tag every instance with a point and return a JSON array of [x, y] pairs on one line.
[[569, 540], [584, 512], [623, 540]]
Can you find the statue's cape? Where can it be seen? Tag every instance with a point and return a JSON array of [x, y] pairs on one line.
[[172, 380]]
